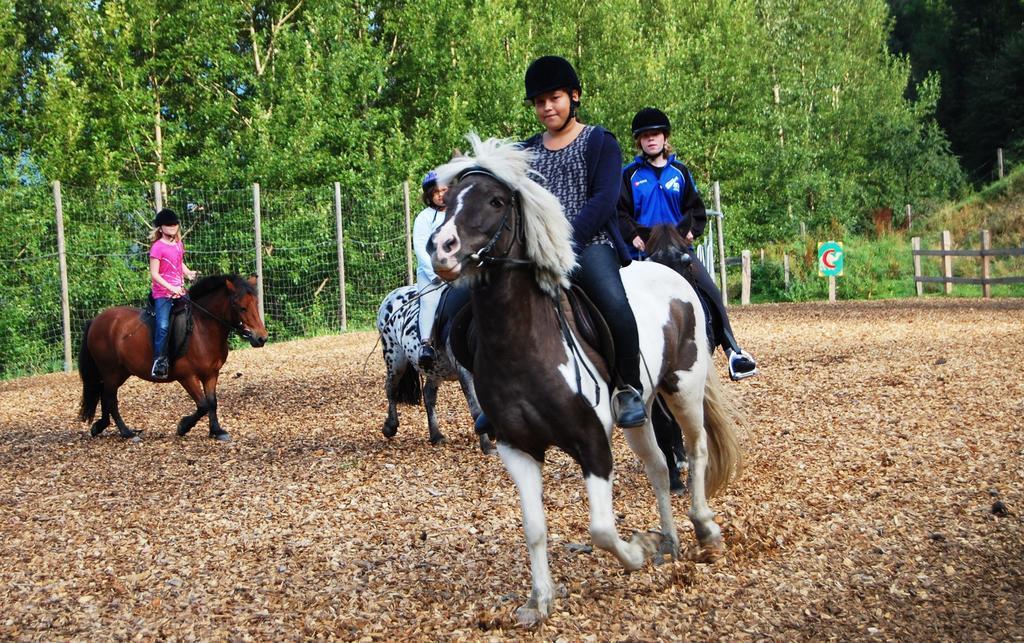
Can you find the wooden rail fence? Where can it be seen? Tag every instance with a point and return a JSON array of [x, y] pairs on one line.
[[947, 253]]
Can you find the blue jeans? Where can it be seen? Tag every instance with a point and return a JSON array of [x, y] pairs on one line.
[[162, 309]]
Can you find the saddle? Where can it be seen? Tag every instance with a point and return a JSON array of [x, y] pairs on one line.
[[180, 329], [591, 328]]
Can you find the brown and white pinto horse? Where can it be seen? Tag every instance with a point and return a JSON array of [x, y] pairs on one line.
[[117, 344], [541, 387]]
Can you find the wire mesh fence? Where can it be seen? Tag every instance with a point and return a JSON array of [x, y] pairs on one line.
[[106, 244]]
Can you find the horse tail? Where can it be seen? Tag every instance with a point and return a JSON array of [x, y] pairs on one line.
[[409, 390], [725, 461], [91, 380]]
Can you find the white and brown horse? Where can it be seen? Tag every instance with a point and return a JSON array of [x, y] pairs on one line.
[[540, 386]]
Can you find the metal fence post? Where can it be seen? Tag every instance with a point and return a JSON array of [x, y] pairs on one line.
[[258, 238], [721, 245], [410, 274], [62, 260], [342, 310]]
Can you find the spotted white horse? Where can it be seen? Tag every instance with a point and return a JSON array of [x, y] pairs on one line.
[[400, 343]]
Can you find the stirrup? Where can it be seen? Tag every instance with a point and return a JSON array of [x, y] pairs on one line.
[[741, 365], [160, 368], [630, 412]]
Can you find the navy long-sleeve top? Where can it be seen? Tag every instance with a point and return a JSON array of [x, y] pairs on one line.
[[604, 179]]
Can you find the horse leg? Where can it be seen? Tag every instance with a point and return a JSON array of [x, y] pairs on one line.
[[430, 404], [101, 424], [194, 388], [216, 431], [109, 401], [595, 457], [687, 406], [469, 390], [643, 443], [390, 388], [526, 473], [668, 434]]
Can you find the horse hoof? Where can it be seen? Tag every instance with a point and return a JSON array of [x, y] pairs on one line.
[[96, 429], [711, 553], [649, 542], [486, 447], [530, 615], [221, 437], [389, 431], [183, 430], [438, 439]]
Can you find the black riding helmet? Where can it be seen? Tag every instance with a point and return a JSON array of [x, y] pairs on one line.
[[650, 118], [166, 216], [548, 73]]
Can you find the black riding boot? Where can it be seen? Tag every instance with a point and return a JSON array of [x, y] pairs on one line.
[[426, 357], [741, 363], [160, 366], [629, 408]]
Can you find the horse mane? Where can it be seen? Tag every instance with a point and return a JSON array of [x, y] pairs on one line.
[[547, 230], [213, 283], [664, 236]]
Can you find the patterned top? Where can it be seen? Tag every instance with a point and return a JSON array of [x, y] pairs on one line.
[[564, 173]]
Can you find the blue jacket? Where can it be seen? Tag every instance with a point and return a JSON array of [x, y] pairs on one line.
[[647, 199], [603, 158]]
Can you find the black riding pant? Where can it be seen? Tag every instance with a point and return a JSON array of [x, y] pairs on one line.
[[598, 275], [712, 298]]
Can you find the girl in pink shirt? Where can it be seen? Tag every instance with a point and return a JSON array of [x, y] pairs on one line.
[[168, 272]]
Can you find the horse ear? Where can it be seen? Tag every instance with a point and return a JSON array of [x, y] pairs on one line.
[[457, 153], [252, 280], [230, 285]]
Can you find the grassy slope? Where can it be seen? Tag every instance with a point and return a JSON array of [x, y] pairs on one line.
[[881, 266]]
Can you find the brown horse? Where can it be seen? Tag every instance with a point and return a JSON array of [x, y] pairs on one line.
[[117, 344]]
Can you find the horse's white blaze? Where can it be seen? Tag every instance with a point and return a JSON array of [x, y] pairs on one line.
[[461, 200], [526, 473], [592, 387]]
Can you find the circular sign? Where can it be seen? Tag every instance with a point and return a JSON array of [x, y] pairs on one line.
[[830, 259]]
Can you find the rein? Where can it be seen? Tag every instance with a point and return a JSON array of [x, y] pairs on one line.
[[484, 259], [239, 327]]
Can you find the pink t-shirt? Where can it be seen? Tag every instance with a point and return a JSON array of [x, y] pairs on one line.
[[172, 260]]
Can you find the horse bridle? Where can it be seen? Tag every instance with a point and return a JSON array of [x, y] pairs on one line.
[[483, 256], [238, 327]]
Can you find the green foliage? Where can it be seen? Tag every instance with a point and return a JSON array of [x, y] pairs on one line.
[[796, 107]]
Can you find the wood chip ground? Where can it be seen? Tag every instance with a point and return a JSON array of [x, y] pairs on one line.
[[881, 499]]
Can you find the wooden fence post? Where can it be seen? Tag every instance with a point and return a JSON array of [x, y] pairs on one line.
[[915, 245], [410, 277], [999, 161], [62, 261], [258, 240], [745, 289], [721, 244], [832, 289], [986, 267], [910, 216], [342, 308], [785, 269], [947, 261]]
